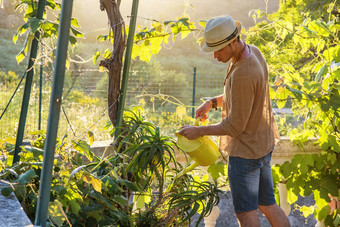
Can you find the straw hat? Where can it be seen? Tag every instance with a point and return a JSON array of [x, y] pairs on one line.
[[219, 32]]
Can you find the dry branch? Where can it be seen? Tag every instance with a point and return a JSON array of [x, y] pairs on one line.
[[114, 62]]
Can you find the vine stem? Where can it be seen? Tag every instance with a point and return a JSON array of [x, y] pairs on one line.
[[160, 197], [65, 216]]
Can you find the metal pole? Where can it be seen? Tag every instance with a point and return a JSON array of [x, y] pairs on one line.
[[54, 113], [193, 93], [126, 68], [28, 85], [40, 91]]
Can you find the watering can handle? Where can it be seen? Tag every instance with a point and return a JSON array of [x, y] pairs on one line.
[[197, 121]]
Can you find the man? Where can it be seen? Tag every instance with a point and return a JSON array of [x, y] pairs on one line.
[[247, 128]]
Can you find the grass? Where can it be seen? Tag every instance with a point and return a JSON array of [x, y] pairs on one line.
[[8, 52], [81, 116]]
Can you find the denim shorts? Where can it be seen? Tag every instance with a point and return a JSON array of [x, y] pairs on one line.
[[251, 182]]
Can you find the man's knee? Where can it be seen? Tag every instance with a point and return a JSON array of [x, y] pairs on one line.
[[275, 215], [248, 218], [265, 209], [274, 208]]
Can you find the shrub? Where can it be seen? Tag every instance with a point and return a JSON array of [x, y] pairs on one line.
[[8, 78], [88, 190]]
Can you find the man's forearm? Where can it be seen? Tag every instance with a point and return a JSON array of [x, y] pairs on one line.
[[219, 100], [211, 130]]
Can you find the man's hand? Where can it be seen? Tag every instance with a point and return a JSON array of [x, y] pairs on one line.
[[202, 111], [191, 132]]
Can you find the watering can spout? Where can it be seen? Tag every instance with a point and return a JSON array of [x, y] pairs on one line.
[[188, 169], [203, 151]]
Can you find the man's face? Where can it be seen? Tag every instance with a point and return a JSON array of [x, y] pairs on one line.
[[224, 54]]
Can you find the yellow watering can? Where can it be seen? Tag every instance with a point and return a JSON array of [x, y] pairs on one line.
[[203, 151]]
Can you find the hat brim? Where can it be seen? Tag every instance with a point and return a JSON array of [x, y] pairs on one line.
[[207, 49]]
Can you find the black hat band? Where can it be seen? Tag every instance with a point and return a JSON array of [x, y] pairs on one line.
[[233, 35]]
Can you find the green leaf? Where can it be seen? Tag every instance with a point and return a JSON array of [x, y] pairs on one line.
[[303, 168], [322, 28], [308, 160], [194, 210], [107, 53], [141, 199], [60, 190], [331, 158], [203, 23], [83, 148], [74, 23], [51, 4], [334, 142], [36, 151], [291, 196], [96, 214], [306, 211], [20, 56], [29, 40], [168, 22], [146, 42], [329, 183], [49, 29], [319, 201], [37, 132], [55, 213], [323, 213], [34, 24], [96, 56], [297, 93], [184, 21], [26, 177], [310, 33], [216, 170], [97, 184], [73, 40], [156, 45], [67, 64], [91, 137], [336, 221], [23, 28], [77, 33], [285, 169], [74, 206], [297, 159], [131, 185], [15, 38], [323, 71], [185, 33], [120, 200]]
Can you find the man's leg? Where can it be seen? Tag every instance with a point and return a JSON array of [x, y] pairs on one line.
[[248, 218], [244, 179], [275, 215], [267, 204]]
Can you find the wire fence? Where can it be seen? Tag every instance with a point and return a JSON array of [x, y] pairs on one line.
[[84, 105], [166, 92]]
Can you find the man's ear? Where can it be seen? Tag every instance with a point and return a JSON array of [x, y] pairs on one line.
[[234, 41]]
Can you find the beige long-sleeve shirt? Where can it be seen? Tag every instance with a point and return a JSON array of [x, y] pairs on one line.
[[247, 116]]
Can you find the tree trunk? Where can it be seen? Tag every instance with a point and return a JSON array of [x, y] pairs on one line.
[[114, 62]]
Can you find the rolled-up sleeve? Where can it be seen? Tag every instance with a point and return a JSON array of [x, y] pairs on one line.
[[241, 96]]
